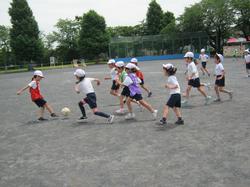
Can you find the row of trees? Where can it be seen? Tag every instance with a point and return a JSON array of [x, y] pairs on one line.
[[87, 36]]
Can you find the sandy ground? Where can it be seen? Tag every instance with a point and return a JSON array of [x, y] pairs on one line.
[[211, 149]]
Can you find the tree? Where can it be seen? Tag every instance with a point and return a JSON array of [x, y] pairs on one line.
[[4, 44], [154, 18], [168, 17], [93, 35], [218, 19], [24, 34], [170, 30], [241, 9]]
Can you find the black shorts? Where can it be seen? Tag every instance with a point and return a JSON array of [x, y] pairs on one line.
[[204, 64], [91, 100], [221, 82], [174, 101], [247, 65], [40, 102], [137, 97], [115, 86], [125, 92], [142, 82], [194, 83]]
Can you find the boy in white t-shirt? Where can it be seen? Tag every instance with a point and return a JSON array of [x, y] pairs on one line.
[[220, 78], [193, 78], [247, 61], [113, 76], [204, 59], [174, 100], [84, 85]]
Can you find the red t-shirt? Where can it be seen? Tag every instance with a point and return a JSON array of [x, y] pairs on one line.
[[35, 90], [140, 75]]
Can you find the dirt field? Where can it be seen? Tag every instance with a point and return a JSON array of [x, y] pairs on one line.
[[212, 149]]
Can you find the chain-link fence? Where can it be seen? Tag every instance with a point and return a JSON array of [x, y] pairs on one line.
[[122, 47]]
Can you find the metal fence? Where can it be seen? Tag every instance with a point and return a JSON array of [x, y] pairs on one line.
[[122, 47]]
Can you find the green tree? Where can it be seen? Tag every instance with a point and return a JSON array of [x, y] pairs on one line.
[[241, 9], [24, 34], [218, 19], [154, 18], [4, 45], [93, 35], [171, 29], [168, 17]]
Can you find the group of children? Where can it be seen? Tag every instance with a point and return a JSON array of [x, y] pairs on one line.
[[130, 79]]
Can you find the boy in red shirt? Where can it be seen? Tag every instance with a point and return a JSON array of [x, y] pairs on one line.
[[36, 97]]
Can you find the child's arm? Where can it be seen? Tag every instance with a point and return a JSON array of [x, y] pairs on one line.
[[223, 74], [77, 88], [98, 82], [23, 89], [171, 86], [107, 78]]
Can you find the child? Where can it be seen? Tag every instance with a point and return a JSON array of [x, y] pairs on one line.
[[140, 75], [120, 66], [247, 61], [204, 58], [193, 78], [174, 101], [36, 97], [131, 81], [220, 78], [85, 86], [113, 74]]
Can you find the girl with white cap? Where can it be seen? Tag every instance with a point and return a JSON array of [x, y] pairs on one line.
[[132, 82], [174, 100], [247, 61], [36, 96], [204, 58], [84, 85], [220, 78]]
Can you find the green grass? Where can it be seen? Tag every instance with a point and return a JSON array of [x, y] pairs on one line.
[[44, 68]]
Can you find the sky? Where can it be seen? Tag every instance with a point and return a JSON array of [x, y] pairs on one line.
[[115, 12]]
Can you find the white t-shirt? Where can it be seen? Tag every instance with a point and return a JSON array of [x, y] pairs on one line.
[[219, 69], [247, 58], [113, 74], [32, 84], [129, 81], [173, 81], [203, 57], [193, 69], [85, 86]]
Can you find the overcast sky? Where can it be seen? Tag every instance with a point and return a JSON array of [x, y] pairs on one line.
[[116, 12]]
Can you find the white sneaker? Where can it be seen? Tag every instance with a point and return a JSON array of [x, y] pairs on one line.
[[231, 95], [208, 98], [208, 85], [130, 116], [120, 111], [110, 119], [155, 114]]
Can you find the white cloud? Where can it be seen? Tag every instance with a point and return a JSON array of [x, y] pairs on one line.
[[116, 12]]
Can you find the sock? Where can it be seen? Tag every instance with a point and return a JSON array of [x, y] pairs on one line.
[[164, 119], [102, 114], [82, 109], [179, 118]]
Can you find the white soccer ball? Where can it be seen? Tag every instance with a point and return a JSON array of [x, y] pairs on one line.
[[65, 111]]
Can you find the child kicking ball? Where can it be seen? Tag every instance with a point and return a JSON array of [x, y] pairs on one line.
[[36, 96], [84, 85]]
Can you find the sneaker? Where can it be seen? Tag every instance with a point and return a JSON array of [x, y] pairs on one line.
[[217, 100], [111, 118], [149, 94], [83, 118], [231, 95], [53, 115], [179, 122], [162, 122], [155, 114], [184, 103], [209, 74], [130, 116], [120, 111], [208, 98], [208, 86], [42, 119]]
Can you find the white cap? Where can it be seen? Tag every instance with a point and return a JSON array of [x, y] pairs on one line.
[[38, 73], [247, 51], [119, 64], [221, 57], [134, 60], [189, 55], [79, 73], [131, 66], [167, 66], [203, 50], [111, 61]]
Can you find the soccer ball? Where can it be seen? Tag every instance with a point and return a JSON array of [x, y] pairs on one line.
[[65, 111]]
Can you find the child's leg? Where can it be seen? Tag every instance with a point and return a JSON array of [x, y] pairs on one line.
[[177, 112], [188, 91], [121, 102], [207, 71], [80, 104], [203, 70], [221, 89], [165, 112], [49, 108], [101, 114], [41, 112], [129, 100], [145, 88], [146, 105], [114, 93], [202, 91], [216, 88]]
